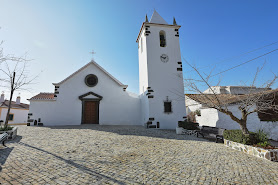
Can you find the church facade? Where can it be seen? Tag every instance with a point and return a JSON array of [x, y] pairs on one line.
[[93, 96]]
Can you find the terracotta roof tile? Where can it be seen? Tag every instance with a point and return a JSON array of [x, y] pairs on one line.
[[14, 105], [211, 98], [226, 99], [43, 96]]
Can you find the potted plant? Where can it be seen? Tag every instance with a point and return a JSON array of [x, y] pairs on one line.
[[198, 112]]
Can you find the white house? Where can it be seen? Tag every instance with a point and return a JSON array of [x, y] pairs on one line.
[[234, 90], [212, 117], [18, 112], [93, 96]]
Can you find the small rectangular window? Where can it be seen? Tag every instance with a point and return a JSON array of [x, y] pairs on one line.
[[162, 37], [167, 106], [11, 117]]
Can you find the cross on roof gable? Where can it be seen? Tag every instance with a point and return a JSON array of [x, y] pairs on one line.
[[156, 18]]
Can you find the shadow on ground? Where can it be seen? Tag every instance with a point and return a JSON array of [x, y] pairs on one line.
[[72, 163], [135, 131], [5, 151]]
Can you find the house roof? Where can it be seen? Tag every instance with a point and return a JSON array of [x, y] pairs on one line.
[[97, 65], [156, 18], [208, 99], [226, 99], [43, 96], [14, 105]]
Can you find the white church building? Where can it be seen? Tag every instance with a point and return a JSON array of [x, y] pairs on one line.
[[93, 96]]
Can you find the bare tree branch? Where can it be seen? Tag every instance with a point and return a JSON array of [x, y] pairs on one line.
[[249, 103], [13, 75]]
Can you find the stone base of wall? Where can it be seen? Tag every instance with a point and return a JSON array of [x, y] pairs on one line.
[[180, 130], [267, 154]]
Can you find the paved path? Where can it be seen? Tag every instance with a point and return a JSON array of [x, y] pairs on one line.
[[125, 155]]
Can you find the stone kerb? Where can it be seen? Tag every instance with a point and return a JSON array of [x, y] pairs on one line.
[[268, 154]]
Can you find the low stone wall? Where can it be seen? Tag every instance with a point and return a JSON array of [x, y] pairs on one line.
[[267, 154], [12, 133]]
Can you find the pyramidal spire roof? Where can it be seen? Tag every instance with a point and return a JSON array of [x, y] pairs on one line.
[[156, 18]]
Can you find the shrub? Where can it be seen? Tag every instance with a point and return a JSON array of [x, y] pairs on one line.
[[239, 137], [262, 136], [198, 112], [263, 144], [189, 125], [251, 139], [6, 129]]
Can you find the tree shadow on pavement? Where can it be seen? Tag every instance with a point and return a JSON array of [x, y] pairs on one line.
[[4, 154], [5, 151], [134, 130], [76, 165]]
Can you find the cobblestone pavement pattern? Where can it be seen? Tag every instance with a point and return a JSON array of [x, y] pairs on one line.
[[93, 154]]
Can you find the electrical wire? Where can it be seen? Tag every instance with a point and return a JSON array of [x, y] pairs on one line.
[[237, 56], [244, 63]]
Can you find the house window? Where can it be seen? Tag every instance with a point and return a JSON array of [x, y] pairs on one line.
[[11, 117], [162, 37], [167, 107]]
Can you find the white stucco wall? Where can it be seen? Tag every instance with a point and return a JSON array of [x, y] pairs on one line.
[[162, 78], [253, 123], [191, 105], [143, 78], [144, 109], [211, 117], [143, 64], [20, 115], [117, 107]]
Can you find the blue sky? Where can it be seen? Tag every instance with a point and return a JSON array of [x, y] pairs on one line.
[[59, 36]]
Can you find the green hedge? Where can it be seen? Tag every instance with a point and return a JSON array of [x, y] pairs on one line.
[[189, 125], [6, 129], [251, 139]]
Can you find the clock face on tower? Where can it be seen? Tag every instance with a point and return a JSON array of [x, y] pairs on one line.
[[164, 58]]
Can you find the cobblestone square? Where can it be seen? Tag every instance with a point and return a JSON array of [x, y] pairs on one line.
[[93, 154]]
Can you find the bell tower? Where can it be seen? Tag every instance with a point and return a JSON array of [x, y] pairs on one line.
[[160, 73]]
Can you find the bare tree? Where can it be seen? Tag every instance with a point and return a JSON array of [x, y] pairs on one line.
[[13, 75], [249, 103]]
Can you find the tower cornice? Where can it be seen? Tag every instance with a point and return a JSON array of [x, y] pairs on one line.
[[155, 24]]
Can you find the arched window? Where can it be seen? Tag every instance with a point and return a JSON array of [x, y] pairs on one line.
[[162, 37]]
